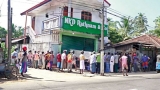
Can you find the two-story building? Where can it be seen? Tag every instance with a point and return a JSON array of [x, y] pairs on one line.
[[67, 24]]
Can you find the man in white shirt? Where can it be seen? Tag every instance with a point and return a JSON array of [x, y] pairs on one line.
[[74, 61], [14, 56], [111, 63], [63, 60], [93, 62]]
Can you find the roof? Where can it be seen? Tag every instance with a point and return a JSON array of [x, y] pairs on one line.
[[45, 2], [36, 6], [144, 39]]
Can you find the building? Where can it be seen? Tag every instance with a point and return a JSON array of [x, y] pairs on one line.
[[67, 24], [145, 44]]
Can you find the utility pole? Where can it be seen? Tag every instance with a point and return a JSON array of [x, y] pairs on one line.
[[9, 31], [102, 41]]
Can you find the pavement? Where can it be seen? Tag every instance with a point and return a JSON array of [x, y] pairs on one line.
[[36, 79]]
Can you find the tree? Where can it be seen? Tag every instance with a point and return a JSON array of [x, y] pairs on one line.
[[140, 24], [157, 27], [17, 31], [113, 33], [125, 27], [3, 32]]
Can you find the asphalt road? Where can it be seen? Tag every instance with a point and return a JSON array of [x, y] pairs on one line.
[[46, 80]]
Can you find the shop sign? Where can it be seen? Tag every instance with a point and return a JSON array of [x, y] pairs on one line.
[[83, 26]]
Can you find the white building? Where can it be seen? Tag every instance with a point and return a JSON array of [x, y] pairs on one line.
[[67, 24]]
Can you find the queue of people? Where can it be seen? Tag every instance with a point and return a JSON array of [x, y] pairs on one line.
[[113, 63]]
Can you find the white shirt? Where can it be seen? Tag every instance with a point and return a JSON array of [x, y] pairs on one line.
[[112, 60], [93, 59], [74, 57], [15, 54], [63, 56]]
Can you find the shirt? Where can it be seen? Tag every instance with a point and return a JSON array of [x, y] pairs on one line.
[[135, 59], [36, 57], [144, 58], [69, 58], [63, 56], [29, 56], [124, 60], [58, 57], [112, 60], [98, 58], [116, 58], [93, 59], [14, 54], [82, 57], [108, 58], [74, 57], [51, 57]]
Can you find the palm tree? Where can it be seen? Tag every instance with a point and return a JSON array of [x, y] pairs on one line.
[[140, 24], [125, 27], [17, 31]]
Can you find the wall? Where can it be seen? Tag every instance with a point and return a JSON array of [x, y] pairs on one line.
[[56, 11], [52, 12]]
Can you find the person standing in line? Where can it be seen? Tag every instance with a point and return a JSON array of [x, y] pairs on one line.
[[19, 57], [129, 62], [36, 60], [93, 62], [30, 58], [74, 61], [42, 57], [116, 58], [24, 62], [39, 60], [145, 60], [135, 62], [123, 59], [63, 60], [108, 62], [59, 61], [14, 56], [69, 62], [82, 65], [46, 59], [98, 63], [112, 63], [51, 60]]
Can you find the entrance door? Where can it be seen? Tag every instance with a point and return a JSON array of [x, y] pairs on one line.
[[55, 49]]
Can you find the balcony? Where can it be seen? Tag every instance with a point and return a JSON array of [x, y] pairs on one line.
[[51, 24]]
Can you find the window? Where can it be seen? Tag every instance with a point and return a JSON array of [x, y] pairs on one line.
[[65, 11], [86, 16], [50, 24], [33, 23]]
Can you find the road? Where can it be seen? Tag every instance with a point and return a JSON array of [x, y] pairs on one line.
[[47, 80]]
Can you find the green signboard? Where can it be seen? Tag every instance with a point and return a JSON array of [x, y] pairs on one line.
[[83, 26]]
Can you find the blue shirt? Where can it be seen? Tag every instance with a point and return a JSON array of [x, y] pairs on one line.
[[144, 58]]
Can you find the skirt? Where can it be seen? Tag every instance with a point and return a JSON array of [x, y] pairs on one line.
[[82, 66], [23, 68]]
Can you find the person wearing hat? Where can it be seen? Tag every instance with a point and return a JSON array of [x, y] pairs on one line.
[[93, 62], [82, 65], [69, 61], [24, 62]]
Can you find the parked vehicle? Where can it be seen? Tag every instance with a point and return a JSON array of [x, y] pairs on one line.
[[158, 63]]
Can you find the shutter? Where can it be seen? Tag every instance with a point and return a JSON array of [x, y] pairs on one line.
[[77, 43]]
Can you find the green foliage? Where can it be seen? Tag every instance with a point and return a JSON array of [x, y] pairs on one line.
[[17, 31], [113, 33], [3, 32]]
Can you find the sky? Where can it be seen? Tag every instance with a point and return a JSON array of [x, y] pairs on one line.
[[150, 8]]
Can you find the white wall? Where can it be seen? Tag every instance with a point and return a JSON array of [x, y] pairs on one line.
[[53, 12], [58, 11]]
